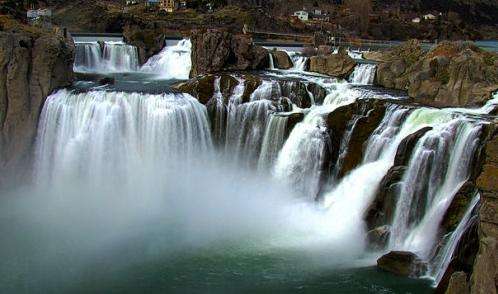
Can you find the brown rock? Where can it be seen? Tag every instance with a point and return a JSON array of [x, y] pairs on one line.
[[337, 65], [281, 59], [32, 66], [214, 51], [458, 284], [451, 74], [401, 263]]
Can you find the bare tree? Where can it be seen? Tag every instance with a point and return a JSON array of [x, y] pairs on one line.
[[361, 10]]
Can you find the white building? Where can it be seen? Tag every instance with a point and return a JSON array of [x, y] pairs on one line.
[[302, 15], [416, 20], [429, 17]]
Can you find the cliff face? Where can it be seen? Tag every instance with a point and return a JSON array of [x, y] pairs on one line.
[[32, 65], [215, 50], [485, 272], [451, 74]]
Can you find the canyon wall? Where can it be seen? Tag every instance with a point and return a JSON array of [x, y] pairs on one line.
[[32, 64]]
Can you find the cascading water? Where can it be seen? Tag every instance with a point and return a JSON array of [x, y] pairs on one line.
[[273, 141], [363, 74], [120, 57], [438, 268], [298, 61], [439, 166], [114, 57], [102, 136], [88, 57], [173, 62]]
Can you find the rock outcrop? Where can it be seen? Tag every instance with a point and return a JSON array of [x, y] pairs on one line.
[[214, 51], [32, 63], [451, 74], [402, 263], [149, 41], [281, 59], [339, 65], [485, 271]]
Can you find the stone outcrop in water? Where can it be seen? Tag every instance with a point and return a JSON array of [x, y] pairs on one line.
[[281, 59], [33, 64], [451, 74], [401, 263], [215, 50], [339, 65]]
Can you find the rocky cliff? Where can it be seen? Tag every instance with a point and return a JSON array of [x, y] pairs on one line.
[[337, 65], [450, 74], [216, 50], [32, 64]]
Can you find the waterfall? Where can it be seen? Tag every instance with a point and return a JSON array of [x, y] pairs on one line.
[[298, 61], [438, 167], [300, 161], [272, 63], [88, 57], [119, 57], [114, 57], [173, 62], [104, 136], [363, 74], [438, 268], [273, 141]]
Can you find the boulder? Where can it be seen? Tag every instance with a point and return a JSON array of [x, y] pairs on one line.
[[297, 92], [402, 263], [216, 50], [281, 59], [458, 284], [319, 93], [377, 238], [339, 65], [451, 74], [33, 64], [406, 146], [381, 210]]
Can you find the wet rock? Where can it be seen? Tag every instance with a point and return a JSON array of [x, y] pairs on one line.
[[251, 83], [377, 238], [338, 65], [458, 206], [32, 65], [201, 87], [297, 92], [370, 114], [451, 74], [106, 81], [281, 59], [216, 50], [402, 263], [319, 93], [405, 148], [458, 284], [381, 210]]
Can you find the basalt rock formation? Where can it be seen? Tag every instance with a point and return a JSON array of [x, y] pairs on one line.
[[33, 63], [149, 41], [401, 263], [281, 59], [451, 74], [216, 50], [339, 65]]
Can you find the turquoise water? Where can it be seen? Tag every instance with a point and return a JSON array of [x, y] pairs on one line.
[[158, 258]]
